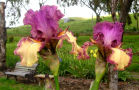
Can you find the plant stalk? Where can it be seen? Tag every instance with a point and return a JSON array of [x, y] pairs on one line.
[[99, 76], [100, 69], [56, 82]]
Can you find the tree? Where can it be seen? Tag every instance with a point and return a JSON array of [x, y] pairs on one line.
[[42, 2], [14, 9], [2, 37], [124, 17], [95, 5], [113, 75], [113, 7], [135, 10], [124, 10]]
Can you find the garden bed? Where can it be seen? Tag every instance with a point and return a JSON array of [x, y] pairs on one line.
[[69, 83]]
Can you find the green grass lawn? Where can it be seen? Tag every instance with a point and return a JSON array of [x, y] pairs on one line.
[[7, 84], [70, 65]]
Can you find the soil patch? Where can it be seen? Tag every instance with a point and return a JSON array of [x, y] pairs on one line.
[[69, 83]]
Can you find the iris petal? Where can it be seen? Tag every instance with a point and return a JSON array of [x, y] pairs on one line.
[[108, 34], [44, 22], [27, 50], [121, 58], [81, 52]]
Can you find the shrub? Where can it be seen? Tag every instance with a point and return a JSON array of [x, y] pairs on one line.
[[11, 39], [134, 29], [77, 35], [123, 75]]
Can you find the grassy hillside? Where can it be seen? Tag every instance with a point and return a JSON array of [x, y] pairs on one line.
[[77, 25], [80, 25]]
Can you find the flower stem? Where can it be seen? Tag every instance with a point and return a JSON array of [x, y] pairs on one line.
[[56, 82], [95, 85], [100, 69], [99, 76]]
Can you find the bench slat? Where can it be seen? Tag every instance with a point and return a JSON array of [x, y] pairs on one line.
[[17, 73], [25, 68], [22, 70]]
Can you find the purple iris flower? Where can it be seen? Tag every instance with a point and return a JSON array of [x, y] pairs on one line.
[[45, 34], [107, 36], [44, 23], [107, 33]]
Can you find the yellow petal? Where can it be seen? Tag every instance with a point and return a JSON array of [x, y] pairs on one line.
[[76, 49], [27, 50], [91, 51], [120, 58], [95, 55], [71, 39]]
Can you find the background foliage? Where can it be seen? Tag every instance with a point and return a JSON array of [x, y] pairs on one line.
[[70, 66]]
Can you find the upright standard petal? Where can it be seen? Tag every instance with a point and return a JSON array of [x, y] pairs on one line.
[[121, 58], [44, 22], [27, 50], [108, 34]]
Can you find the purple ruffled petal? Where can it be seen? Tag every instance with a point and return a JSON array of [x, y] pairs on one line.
[[84, 53], [44, 22], [107, 33]]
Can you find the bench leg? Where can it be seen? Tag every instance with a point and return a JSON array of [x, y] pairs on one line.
[[34, 80], [7, 76], [15, 78]]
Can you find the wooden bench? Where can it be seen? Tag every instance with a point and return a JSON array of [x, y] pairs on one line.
[[23, 71]]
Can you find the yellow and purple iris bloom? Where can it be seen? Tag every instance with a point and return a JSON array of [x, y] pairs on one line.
[[45, 37], [107, 36], [45, 34]]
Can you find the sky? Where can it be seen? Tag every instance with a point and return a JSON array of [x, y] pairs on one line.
[[72, 11]]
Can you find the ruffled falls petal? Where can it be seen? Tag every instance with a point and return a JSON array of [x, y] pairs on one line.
[[27, 49], [84, 54], [44, 22], [81, 52], [121, 58], [71, 39]]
